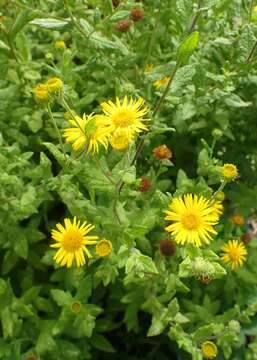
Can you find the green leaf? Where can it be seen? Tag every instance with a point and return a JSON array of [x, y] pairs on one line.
[[188, 46], [61, 297], [50, 23], [101, 343], [24, 17]]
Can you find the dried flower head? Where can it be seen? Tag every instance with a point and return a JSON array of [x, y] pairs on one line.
[[145, 184], [123, 25], [238, 219], [246, 238], [162, 152], [137, 14]]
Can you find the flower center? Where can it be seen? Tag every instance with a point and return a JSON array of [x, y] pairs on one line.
[[191, 221], [72, 241], [209, 351], [123, 118], [234, 255]]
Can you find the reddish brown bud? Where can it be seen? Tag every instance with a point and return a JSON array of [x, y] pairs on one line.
[[31, 358], [167, 247], [162, 152], [145, 184], [123, 25], [137, 14], [246, 238], [115, 3]]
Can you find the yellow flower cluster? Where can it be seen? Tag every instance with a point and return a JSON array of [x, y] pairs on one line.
[[72, 240], [43, 91], [118, 125]]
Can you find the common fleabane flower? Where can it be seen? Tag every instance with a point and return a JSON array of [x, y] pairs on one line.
[[229, 172], [209, 350], [71, 242], [126, 114], [87, 132], [234, 253], [193, 218]]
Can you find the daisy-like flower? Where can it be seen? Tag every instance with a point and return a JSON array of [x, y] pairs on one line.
[[229, 172], [71, 242], [218, 208], [126, 115], [209, 350], [161, 82], [192, 219], [234, 253], [87, 131]]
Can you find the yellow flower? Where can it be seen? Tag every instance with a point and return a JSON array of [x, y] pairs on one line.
[[76, 307], [193, 218], [209, 350], [238, 219], [120, 139], [54, 84], [148, 68], [41, 92], [87, 131], [103, 248], [234, 253], [71, 240], [161, 82], [255, 8], [125, 114], [229, 172], [60, 44]]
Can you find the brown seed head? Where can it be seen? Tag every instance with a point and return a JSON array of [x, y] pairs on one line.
[[123, 25], [137, 14], [167, 247], [162, 152]]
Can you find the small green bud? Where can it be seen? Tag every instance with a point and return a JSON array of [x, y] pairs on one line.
[[217, 134], [220, 196], [234, 325]]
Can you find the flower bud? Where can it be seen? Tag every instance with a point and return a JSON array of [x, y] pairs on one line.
[[76, 307], [60, 45], [167, 247], [220, 196], [103, 248], [54, 84], [41, 92], [234, 325], [217, 134], [229, 172], [205, 280]]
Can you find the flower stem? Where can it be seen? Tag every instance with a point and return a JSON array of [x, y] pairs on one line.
[[57, 130], [221, 187]]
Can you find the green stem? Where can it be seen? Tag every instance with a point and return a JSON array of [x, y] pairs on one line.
[[57, 130], [221, 187], [152, 38], [251, 11]]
